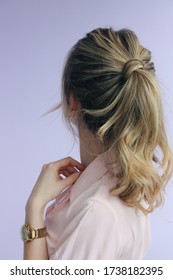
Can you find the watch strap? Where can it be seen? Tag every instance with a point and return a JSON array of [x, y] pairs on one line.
[[37, 233]]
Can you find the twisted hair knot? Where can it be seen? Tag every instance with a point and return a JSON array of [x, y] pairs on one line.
[[131, 66]]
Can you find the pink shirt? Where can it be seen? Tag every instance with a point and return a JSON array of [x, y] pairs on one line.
[[86, 222]]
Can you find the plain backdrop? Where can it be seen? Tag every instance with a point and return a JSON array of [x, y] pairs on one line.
[[35, 36]]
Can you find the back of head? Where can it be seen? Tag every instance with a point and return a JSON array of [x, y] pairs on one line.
[[113, 78]]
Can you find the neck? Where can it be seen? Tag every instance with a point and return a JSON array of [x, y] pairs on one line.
[[90, 147]]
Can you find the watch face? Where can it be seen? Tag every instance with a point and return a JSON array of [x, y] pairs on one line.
[[24, 233]]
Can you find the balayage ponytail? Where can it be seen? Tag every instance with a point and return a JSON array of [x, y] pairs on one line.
[[113, 78]]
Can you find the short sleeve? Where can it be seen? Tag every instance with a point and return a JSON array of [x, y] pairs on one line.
[[95, 237]]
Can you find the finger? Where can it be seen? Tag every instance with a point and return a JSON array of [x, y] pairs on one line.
[[70, 169], [69, 180], [68, 161], [72, 163], [61, 177], [64, 172]]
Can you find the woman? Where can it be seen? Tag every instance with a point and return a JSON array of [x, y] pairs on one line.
[[111, 95]]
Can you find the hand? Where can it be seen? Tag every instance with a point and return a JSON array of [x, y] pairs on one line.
[[53, 178]]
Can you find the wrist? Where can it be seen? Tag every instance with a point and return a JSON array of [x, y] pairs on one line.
[[35, 204], [34, 214]]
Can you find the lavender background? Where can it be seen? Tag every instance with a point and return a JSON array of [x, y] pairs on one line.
[[35, 36]]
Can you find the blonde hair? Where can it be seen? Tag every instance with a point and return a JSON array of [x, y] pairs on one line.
[[113, 78]]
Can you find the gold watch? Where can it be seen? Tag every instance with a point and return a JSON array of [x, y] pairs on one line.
[[29, 234]]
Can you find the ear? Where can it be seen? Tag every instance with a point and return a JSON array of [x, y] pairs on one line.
[[74, 104]]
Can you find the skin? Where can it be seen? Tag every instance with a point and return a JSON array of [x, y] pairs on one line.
[[54, 177]]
